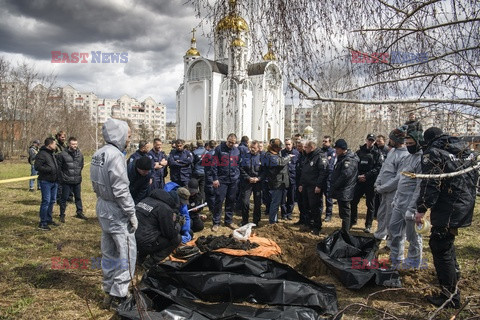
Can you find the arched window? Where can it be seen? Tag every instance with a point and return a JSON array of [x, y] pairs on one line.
[[199, 71], [198, 133]]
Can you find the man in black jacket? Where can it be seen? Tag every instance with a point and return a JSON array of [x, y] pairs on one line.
[[368, 169], [288, 197], [195, 200], [250, 183], [344, 179], [48, 175], [140, 177], [451, 202], [158, 233], [70, 163], [275, 171], [314, 177]]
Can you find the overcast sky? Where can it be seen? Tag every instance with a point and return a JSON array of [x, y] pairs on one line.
[[154, 33]]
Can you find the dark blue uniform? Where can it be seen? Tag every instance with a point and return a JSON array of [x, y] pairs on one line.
[[226, 170], [288, 196], [180, 163], [332, 157], [158, 175], [137, 154], [199, 170], [207, 168], [250, 166]]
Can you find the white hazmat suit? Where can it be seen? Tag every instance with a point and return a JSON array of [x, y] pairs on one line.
[[115, 209]]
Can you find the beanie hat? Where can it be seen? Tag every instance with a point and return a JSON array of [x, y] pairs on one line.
[[432, 133], [193, 186], [143, 163], [183, 195], [341, 143], [416, 135], [398, 135]]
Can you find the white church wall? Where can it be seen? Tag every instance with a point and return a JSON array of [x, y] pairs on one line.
[[197, 102]]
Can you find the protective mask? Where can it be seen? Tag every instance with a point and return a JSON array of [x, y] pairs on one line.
[[413, 149]]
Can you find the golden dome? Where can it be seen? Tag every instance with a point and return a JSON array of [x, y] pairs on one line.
[[270, 55], [238, 43], [193, 49], [232, 22], [192, 52]]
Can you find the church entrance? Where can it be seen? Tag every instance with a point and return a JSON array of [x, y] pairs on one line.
[[198, 133]]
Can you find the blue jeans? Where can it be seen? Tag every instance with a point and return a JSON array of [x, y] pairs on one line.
[[276, 199], [49, 196], [33, 172]]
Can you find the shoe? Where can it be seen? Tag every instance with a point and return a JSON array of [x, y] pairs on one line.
[[215, 228], [81, 216], [44, 227], [31, 190], [232, 226], [289, 218], [367, 230], [107, 301], [440, 300], [244, 223], [328, 218], [53, 223], [316, 231], [117, 301], [257, 224], [62, 219], [299, 223], [353, 223]]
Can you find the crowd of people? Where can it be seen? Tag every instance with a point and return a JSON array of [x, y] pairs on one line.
[[144, 217]]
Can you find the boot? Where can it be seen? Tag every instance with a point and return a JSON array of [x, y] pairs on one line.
[[438, 300]]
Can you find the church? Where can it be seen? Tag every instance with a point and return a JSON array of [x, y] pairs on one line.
[[229, 94]]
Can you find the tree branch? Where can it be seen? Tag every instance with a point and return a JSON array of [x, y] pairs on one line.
[[441, 25], [409, 78], [441, 175], [467, 102]]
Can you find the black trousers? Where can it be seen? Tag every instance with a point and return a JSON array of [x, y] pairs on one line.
[[328, 201], [66, 190], [443, 251], [313, 205], [201, 185], [245, 193], [288, 200], [158, 250], [367, 189], [301, 206], [344, 212]]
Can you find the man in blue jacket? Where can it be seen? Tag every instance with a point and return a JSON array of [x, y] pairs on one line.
[[180, 162], [250, 174], [198, 168], [225, 175], [181, 196], [207, 167], [159, 162]]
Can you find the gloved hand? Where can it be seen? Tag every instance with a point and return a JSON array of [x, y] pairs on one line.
[[133, 224], [410, 215]]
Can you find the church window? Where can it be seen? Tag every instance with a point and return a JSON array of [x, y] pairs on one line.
[[199, 131], [199, 71]]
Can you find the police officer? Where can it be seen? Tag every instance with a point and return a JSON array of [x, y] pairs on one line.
[[314, 177], [199, 170], [344, 179], [250, 175], [159, 163], [451, 202], [180, 161], [207, 167], [332, 158], [225, 175], [368, 169], [141, 151], [298, 174], [288, 196]]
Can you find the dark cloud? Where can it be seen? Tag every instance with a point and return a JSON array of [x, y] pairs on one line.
[[155, 33]]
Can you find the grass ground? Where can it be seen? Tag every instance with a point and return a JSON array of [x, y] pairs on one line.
[[31, 289]]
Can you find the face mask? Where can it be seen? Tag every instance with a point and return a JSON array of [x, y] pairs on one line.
[[413, 149]]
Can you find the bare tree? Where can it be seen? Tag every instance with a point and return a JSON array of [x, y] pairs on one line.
[[441, 38]]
